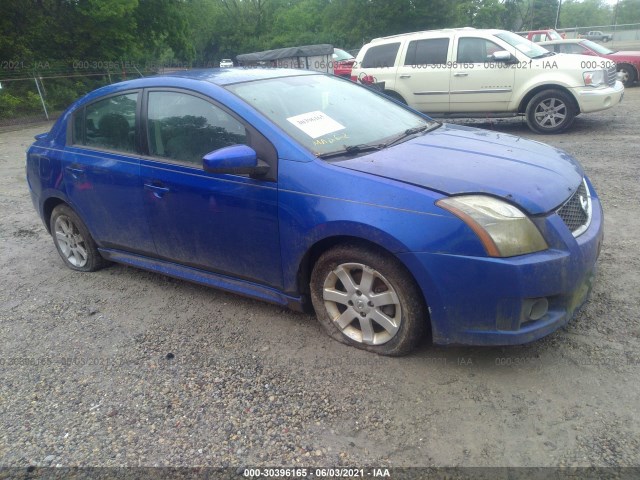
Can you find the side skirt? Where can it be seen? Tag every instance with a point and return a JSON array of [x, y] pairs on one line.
[[202, 277]]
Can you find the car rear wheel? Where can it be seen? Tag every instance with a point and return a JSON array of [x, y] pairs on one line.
[[366, 298], [550, 111], [73, 241], [628, 74]]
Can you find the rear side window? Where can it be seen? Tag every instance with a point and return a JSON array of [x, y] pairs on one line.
[[185, 128], [431, 51], [571, 48], [382, 56], [108, 124]]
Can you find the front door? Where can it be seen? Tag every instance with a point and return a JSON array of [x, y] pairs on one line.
[[219, 222], [478, 83]]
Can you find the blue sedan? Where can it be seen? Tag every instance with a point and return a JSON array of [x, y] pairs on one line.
[[304, 189]]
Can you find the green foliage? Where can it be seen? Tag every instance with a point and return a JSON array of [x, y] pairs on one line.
[[201, 32], [585, 13], [8, 104], [628, 11], [19, 103]]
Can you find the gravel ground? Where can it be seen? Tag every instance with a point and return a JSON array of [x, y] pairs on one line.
[[128, 368]]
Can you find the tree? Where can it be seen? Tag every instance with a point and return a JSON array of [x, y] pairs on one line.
[[628, 11], [585, 13]]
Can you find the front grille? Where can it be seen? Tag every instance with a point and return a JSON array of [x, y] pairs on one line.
[[612, 75], [576, 212]]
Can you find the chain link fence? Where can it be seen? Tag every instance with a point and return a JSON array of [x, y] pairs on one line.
[[629, 32], [38, 91], [42, 90]]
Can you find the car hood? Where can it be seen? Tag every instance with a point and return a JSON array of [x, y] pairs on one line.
[[455, 160], [626, 54]]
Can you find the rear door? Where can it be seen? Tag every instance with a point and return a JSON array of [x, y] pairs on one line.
[[379, 62], [102, 172], [423, 76]]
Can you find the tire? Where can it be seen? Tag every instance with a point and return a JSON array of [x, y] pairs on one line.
[[550, 111], [629, 74], [366, 298], [73, 241]]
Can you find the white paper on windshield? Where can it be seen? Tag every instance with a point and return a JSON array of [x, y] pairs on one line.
[[315, 124]]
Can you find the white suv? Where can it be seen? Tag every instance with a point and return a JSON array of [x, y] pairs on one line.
[[468, 72]]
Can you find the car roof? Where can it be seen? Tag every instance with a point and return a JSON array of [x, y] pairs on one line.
[[227, 76], [565, 40], [220, 77], [402, 36]]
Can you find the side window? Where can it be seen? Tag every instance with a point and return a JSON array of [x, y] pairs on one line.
[[575, 48], [570, 48], [476, 50], [427, 52], [382, 56], [183, 127], [108, 123]]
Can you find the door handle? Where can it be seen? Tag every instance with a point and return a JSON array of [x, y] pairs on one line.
[[157, 190], [460, 74], [405, 76]]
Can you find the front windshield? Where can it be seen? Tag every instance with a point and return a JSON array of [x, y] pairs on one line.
[[596, 48], [326, 114], [523, 45]]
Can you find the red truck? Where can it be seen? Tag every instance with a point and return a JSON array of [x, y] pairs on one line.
[[541, 35]]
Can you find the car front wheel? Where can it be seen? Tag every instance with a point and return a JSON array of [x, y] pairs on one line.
[[73, 241], [366, 298], [550, 111], [628, 75]]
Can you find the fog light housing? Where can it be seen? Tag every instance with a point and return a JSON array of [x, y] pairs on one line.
[[534, 309]]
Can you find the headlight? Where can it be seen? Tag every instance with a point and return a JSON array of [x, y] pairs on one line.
[[503, 229], [593, 79]]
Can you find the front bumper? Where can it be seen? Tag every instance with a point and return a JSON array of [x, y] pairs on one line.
[[595, 99], [486, 301]]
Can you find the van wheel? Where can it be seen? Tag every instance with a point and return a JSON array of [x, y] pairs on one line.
[[550, 111], [73, 241], [365, 298]]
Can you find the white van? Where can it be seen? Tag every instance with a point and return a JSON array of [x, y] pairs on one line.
[[468, 72]]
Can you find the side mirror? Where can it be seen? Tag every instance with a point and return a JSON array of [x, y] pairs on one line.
[[238, 159], [501, 56]]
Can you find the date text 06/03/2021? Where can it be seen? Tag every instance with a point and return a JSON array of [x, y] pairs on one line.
[[302, 472]]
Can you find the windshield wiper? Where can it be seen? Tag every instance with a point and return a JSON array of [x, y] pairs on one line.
[[542, 55], [352, 150], [411, 131], [363, 148]]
